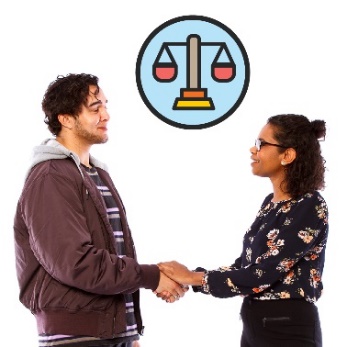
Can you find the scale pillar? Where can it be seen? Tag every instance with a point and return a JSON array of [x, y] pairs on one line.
[[193, 97]]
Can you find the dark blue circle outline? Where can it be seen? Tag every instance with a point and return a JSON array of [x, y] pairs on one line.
[[192, 126]]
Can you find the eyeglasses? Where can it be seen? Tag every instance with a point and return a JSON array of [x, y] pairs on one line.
[[259, 143]]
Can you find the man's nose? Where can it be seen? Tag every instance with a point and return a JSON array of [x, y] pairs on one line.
[[104, 115]]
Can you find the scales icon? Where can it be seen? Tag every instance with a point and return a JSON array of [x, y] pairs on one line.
[[193, 97], [192, 72]]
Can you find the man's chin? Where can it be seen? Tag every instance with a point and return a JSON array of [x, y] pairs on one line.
[[101, 140]]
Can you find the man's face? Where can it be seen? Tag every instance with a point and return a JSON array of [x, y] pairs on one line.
[[91, 123]]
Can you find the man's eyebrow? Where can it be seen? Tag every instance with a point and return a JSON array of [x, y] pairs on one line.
[[98, 102]]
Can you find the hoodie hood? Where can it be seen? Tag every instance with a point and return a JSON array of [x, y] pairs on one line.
[[51, 149]]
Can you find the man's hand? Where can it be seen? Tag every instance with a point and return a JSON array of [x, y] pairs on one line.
[[169, 290]]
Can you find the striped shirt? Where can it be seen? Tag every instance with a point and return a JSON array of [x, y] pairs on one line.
[[131, 333]]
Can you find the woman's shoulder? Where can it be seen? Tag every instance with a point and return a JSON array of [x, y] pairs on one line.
[[311, 203], [310, 198]]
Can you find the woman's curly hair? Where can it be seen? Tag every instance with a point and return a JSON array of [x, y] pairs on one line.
[[66, 95], [306, 173]]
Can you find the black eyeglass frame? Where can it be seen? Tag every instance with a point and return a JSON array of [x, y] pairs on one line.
[[259, 143]]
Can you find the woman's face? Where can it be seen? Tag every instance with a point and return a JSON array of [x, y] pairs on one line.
[[266, 162]]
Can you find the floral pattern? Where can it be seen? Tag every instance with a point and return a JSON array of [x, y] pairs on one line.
[[283, 253]]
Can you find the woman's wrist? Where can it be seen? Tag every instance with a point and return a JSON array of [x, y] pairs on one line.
[[198, 278]]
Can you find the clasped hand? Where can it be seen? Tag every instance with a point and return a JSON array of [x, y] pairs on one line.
[[174, 281]]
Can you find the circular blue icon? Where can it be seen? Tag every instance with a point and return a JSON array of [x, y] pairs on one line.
[[192, 72]]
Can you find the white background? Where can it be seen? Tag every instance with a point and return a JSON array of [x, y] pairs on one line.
[[190, 194]]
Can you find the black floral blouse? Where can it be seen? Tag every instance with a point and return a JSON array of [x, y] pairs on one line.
[[283, 253]]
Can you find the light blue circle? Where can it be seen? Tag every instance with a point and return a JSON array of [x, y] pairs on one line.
[[160, 96]]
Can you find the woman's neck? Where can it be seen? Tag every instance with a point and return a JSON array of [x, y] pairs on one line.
[[278, 198], [278, 191]]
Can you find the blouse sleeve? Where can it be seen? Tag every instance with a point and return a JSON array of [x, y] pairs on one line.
[[204, 287]]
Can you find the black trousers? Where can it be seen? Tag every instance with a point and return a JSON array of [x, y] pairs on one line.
[[280, 323]]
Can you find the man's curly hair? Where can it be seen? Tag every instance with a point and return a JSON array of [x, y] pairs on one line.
[[66, 95]]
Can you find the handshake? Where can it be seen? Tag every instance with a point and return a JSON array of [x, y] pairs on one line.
[[175, 279]]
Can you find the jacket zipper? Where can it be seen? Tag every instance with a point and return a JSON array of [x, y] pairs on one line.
[[114, 327]]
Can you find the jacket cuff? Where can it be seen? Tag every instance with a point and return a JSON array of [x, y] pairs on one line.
[[150, 275]]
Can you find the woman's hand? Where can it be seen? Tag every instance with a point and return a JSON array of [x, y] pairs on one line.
[[180, 273]]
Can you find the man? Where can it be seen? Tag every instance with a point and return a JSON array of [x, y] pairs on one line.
[[76, 262]]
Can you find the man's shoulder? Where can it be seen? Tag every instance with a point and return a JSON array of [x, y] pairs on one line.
[[65, 167]]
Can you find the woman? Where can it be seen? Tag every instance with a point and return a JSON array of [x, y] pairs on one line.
[[279, 272]]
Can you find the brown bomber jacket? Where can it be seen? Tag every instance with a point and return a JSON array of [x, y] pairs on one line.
[[68, 271]]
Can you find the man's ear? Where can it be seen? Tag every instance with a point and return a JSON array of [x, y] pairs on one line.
[[289, 155], [65, 120]]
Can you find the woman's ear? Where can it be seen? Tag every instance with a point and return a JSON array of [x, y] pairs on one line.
[[289, 155]]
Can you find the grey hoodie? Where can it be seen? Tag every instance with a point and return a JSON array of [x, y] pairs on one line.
[[52, 149]]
